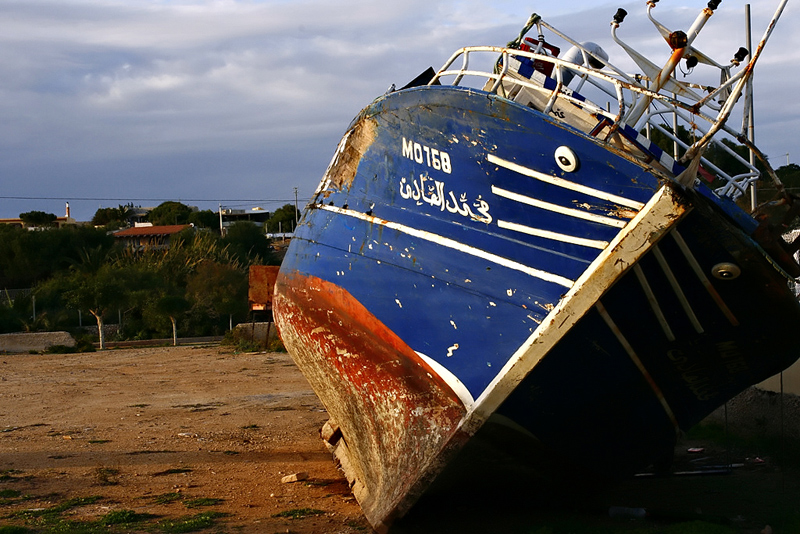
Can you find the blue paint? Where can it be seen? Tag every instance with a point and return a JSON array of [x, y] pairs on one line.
[[494, 308], [470, 313]]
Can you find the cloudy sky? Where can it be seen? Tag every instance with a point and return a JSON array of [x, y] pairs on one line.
[[239, 102]]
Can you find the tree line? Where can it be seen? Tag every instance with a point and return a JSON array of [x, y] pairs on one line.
[[195, 287], [172, 212]]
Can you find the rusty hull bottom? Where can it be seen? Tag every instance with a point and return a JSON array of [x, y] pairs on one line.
[[398, 419]]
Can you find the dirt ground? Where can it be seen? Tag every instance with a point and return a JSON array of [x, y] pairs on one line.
[[173, 432], [193, 434]]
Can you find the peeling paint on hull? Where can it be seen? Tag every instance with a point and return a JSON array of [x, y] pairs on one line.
[[448, 270], [393, 410]]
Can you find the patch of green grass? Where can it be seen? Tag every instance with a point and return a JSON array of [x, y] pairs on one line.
[[356, 525], [174, 471], [51, 521], [230, 453], [189, 523], [695, 527], [299, 513], [54, 511], [54, 524], [202, 501], [8, 474], [99, 441], [167, 498], [69, 526], [250, 427], [123, 517], [106, 476], [10, 496]]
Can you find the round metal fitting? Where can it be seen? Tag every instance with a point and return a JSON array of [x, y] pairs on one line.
[[567, 159], [726, 271], [678, 40]]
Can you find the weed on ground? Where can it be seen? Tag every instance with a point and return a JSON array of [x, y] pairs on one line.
[[299, 513], [51, 520]]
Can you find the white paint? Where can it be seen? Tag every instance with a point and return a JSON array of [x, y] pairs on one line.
[[553, 236], [454, 245], [433, 193], [437, 159], [566, 159], [451, 380], [555, 208], [566, 184]]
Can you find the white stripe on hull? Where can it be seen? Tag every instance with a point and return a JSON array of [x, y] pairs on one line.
[[553, 236], [571, 212], [566, 184], [454, 245]]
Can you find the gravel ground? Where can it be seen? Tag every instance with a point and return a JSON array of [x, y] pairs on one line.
[[172, 432]]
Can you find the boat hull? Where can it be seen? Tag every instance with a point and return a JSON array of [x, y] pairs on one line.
[[451, 267]]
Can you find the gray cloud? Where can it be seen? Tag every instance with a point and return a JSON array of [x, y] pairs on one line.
[[224, 100]]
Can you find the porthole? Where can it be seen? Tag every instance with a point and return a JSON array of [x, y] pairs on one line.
[[566, 159], [726, 271]]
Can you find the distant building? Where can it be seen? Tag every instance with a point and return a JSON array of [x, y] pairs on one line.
[[139, 214], [149, 237], [66, 220], [257, 216]]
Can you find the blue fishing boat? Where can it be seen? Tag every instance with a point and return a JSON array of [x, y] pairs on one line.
[[488, 243]]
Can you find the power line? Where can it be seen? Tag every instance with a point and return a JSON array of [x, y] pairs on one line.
[[116, 199]]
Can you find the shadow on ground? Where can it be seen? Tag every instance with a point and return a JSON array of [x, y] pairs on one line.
[[486, 489]]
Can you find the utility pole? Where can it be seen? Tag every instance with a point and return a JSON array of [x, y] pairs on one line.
[[295, 208]]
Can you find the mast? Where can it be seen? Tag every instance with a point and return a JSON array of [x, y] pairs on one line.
[[749, 107]]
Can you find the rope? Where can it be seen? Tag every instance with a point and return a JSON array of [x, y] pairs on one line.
[[516, 43]]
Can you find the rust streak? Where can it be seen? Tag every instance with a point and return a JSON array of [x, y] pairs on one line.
[[395, 413]]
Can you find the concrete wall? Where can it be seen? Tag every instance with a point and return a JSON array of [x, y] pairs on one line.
[[257, 331], [791, 381], [759, 413], [37, 341]]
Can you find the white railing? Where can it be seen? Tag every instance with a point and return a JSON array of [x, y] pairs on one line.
[[697, 117]]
